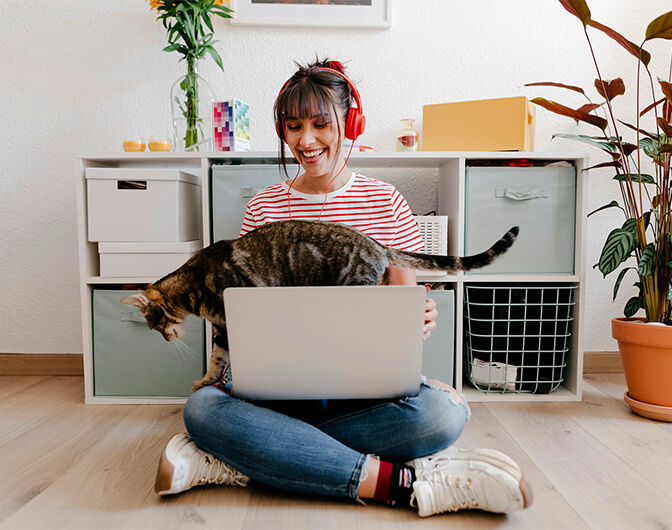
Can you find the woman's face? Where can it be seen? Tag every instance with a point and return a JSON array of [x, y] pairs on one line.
[[315, 143]]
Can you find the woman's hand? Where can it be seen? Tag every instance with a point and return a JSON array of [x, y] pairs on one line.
[[430, 315], [402, 276]]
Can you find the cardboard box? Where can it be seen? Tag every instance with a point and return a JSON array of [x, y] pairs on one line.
[[505, 124], [231, 121]]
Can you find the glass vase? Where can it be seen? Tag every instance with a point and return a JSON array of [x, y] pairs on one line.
[[191, 104], [408, 138]]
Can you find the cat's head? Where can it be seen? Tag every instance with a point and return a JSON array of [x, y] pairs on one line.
[[154, 308]]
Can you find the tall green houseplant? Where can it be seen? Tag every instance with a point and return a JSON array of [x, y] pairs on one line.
[[190, 33], [646, 233]]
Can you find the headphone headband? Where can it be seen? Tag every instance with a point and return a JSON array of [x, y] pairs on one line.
[[355, 120]]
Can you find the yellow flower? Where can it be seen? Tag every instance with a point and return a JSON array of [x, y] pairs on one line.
[[153, 4]]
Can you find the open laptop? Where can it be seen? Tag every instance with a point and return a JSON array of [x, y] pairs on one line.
[[325, 342]]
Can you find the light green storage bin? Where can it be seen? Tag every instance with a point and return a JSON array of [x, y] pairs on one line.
[[232, 189], [540, 200], [131, 360], [438, 351]]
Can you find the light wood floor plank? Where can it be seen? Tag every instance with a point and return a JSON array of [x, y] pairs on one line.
[[21, 411], [11, 384], [606, 491]]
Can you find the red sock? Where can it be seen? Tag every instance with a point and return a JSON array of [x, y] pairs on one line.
[[383, 484]]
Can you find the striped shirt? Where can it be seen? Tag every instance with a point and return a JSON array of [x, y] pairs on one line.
[[371, 206]]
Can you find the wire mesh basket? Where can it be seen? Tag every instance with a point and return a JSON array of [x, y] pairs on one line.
[[517, 336]]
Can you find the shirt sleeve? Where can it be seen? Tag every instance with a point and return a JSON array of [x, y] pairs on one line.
[[407, 235], [249, 221]]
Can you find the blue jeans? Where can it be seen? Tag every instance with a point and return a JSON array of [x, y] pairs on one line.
[[321, 447]]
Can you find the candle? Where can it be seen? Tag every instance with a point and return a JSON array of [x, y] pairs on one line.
[[134, 145]]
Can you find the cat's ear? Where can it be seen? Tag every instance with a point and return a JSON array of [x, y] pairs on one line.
[[138, 300]]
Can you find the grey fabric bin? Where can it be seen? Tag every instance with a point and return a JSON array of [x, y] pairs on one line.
[[131, 360], [438, 351], [232, 189], [540, 200]]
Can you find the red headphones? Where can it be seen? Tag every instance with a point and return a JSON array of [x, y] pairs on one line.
[[355, 120]]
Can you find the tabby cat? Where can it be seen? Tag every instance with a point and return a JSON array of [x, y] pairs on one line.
[[285, 253]]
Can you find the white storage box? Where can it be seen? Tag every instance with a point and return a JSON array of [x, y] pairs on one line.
[[154, 260], [142, 204]]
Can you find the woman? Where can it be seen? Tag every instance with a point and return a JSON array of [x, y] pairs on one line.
[[396, 451]]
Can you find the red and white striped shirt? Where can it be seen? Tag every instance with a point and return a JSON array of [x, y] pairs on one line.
[[371, 206]]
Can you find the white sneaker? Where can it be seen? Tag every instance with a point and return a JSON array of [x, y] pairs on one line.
[[183, 465], [456, 479]]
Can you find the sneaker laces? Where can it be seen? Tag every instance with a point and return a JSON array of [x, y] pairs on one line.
[[211, 470], [450, 492]]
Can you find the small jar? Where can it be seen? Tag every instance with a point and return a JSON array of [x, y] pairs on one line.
[[408, 138], [134, 143], [159, 143]]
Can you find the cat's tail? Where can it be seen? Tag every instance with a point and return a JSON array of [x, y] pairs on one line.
[[414, 260]]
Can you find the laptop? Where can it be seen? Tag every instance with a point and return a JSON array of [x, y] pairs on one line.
[[345, 342]]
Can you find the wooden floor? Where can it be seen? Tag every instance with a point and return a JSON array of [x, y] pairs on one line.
[[592, 464]]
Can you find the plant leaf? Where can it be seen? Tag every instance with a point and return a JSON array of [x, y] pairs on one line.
[[560, 85], [647, 263], [215, 56], [578, 8], [614, 163], [632, 306], [592, 140], [665, 126], [612, 204], [620, 279], [616, 250], [642, 131], [654, 104], [589, 107], [631, 47], [666, 87], [557, 108], [660, 28], [635, 177], [609, 89]]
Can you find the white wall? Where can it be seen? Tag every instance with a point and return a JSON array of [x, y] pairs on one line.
[[79, 75]]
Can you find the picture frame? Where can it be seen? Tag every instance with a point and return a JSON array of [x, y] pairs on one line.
[[361, 14]]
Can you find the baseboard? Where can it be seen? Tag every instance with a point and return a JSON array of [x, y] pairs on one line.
[[41, 364], [602, 362], [594, 362]]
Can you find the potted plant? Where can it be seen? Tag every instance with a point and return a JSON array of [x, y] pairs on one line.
[[642, 245], [190, 33]]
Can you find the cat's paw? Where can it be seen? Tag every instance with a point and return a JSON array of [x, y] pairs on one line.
[[197, 385]]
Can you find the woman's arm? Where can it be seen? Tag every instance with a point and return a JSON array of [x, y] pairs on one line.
[[399, 276]]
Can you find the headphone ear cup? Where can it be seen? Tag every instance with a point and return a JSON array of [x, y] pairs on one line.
[[354, 125]]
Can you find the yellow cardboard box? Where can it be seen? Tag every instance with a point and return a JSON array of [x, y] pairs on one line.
[[504, 124]]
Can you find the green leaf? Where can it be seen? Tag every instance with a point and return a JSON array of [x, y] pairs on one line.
[[647, 263], [609, 147], [635, 177], [660, 28], [632, 306], [669, 292], [616, 250], [215, 56], [612, 204], [620, 279]]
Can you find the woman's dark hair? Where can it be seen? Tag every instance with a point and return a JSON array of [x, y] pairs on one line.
[[308, 90]]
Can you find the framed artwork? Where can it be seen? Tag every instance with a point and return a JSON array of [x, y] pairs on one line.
[[373, 14]]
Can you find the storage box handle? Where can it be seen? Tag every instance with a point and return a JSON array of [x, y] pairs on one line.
[[521, 195], [131, 315], [131, 184]]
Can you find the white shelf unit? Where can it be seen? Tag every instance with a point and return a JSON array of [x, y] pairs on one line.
[[451, 169]]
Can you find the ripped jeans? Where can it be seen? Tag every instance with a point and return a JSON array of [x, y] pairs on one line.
[[321, 447]]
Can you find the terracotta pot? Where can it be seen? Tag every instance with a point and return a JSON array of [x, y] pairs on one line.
[[646, 352]]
